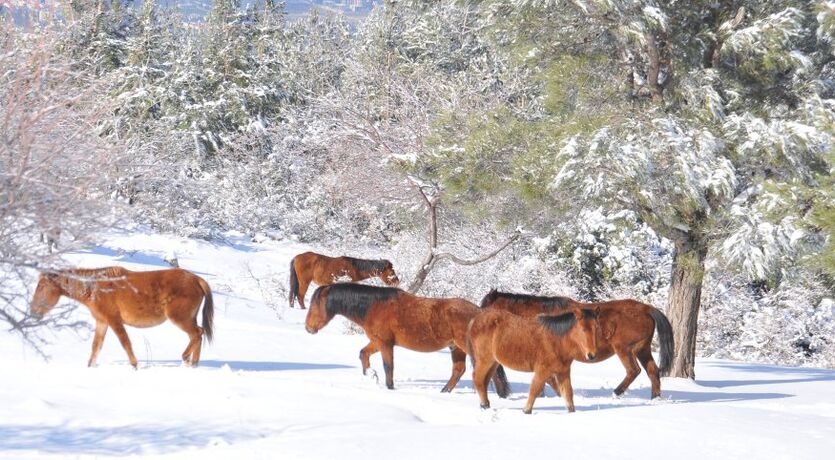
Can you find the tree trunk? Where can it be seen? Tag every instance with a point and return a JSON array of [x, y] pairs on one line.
[[683, 304]]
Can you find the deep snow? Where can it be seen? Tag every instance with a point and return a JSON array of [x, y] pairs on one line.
[[267, 389]]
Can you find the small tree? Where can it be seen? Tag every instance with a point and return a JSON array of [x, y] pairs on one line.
[[55, 170]]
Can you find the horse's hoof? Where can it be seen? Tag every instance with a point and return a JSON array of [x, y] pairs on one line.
[[527, 411], [390, 387], [446, 390], [485, 405]]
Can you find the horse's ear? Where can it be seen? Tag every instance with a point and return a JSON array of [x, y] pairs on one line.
[[578, 314], [597, 312]]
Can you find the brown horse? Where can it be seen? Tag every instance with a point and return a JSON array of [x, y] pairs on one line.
[[626, 326], [311, 267], [116, 296], [545, 346], [390, 316]]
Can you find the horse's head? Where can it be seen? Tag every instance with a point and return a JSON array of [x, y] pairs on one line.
[[585, 331], [317, 315], [46, 294], [388, 275]]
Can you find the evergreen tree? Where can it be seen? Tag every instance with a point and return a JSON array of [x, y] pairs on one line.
[[691, 142]]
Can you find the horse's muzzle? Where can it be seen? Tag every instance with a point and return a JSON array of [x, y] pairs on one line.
[[311, 330], [590, 356]]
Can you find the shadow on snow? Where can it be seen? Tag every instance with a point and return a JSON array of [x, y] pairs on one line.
[[254, 366], [794, 374], [114, 440]]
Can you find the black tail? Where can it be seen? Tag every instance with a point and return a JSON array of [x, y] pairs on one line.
[[489, 298], [208, 309], [665, 339], [294, 282], [500, 382]]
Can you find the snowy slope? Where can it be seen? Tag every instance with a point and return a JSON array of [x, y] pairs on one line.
[[267, 389]]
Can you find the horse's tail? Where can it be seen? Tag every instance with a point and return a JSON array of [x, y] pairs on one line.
[[294, 282], [501, 383], [208, 309], [489, 298], [665, 339]]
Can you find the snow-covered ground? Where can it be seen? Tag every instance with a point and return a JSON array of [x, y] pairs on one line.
[[267, 389]]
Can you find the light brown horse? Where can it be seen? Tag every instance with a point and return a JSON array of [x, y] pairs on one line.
[[545, 346], [311, 267], [626, 326], [116, 296], [390, 316]]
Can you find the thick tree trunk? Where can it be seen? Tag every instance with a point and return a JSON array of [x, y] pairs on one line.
[[683, 304]]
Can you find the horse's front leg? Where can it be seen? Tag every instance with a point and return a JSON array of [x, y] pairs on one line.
[[98, 340], [564, 380], [387, 350], [120, 331], [365, 354], [537, 384]]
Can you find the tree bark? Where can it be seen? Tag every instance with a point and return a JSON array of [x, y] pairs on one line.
[[683, 304]]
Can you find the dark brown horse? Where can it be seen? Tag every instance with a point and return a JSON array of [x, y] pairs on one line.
[[545, 346], [390, 316], [626, 326], [116, 296], [311, 267]]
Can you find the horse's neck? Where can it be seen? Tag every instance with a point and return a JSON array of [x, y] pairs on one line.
[[75, 286], [349, 313], [561, 344], [364, 275]]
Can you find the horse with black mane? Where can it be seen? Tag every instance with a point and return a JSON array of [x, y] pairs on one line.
[[390, 316], [545, 346], [626, 327], [117, 296], [320, 269]]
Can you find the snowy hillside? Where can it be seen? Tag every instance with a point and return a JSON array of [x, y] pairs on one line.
[[267, 389]]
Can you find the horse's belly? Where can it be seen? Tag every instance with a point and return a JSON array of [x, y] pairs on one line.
[[143, 318], [423, 344]]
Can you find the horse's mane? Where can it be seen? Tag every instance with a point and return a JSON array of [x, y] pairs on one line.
[[549, 303], [368, 266], [352, 300], [560, 325], [94, 273]]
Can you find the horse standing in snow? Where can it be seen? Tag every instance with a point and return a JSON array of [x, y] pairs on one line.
[[311, 267], [390, 316], [116, 296], [545, 346], [626, 327]]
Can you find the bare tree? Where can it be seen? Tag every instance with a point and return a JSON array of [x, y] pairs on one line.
[[376, 133], [54, 169]]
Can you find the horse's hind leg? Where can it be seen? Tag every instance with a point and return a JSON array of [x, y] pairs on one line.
[[303, 285], [459, 365], [630, 363], [552, 382], [645, 357], [122, 334], [98, 340], [191, 355], [483, 369]]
